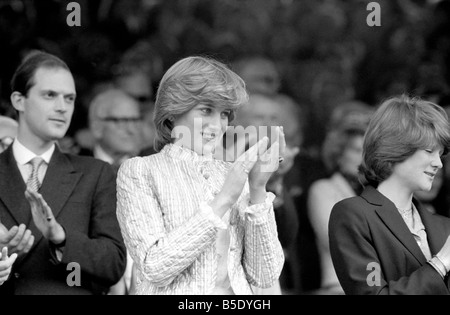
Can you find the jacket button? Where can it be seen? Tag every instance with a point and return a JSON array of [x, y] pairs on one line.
[[16, 275]]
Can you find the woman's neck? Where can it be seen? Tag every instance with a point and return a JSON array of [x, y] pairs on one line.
[[399, 194]]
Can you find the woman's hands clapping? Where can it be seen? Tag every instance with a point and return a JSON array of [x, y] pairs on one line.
[[257, 164]]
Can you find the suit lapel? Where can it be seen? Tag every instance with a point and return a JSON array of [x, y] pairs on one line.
[[390, 216], [436, 235], [59, 183], [12, 188]]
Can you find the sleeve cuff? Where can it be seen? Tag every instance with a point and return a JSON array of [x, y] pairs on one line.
[[437, 264], [208, 212], [260, 209]]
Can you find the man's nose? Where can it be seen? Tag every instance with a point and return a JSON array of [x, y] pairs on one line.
[[60, 104]]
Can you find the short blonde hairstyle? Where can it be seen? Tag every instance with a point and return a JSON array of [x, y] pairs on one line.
[[190, 82]]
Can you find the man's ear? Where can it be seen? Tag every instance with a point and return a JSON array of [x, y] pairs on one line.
[[18, 101]]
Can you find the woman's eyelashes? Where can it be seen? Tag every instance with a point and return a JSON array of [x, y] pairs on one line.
[[210, 110], [226, 113]]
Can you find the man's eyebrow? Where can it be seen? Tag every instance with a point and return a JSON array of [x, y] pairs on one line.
[[56, 92]]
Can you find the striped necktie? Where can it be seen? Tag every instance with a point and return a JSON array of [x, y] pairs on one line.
[[33, 181]]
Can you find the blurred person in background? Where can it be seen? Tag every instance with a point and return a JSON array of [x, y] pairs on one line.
[[259, 73], [342, 154], [115, 122], [8, 131], [138, 85]]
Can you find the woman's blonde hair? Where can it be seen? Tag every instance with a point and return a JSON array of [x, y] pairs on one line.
[[190, 82]]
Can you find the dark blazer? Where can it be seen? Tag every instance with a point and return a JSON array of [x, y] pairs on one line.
[[81, 192], [369, 229]]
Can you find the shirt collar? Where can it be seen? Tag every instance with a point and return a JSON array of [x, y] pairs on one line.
[[24, 155], [178, 152]]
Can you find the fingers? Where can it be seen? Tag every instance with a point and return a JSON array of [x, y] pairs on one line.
[[7, 261], [22, 239], [4, 254], [281, 141], [295, 151], [9, 235], [38, 205], [46, 211], [12, 258], [18, 237], [250, 156], [6, 264], [269, 160], [29, 244]]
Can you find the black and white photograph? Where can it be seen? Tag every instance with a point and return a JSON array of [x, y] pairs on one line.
[[202, 149]]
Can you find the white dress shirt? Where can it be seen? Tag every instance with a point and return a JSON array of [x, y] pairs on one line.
[[23, 156]]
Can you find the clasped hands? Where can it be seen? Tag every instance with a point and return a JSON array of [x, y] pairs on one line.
[[257, 164], [19, 239]]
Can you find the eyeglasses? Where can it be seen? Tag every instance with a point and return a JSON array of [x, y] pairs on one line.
[[5, 142], [142, 98], [123, 120]]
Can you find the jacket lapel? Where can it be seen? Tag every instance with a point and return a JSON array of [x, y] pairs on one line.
[[12, 188], [390, 216], [59, 183], [436, 234]]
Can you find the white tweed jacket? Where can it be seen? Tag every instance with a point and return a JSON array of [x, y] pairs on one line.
[[172, 242]]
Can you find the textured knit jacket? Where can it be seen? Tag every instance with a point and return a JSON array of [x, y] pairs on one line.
[[173, 242]]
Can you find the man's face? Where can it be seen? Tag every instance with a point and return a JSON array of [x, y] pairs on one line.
[[46, 112], [121, 131]]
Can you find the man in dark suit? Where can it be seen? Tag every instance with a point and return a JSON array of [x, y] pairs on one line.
[[57, 211]]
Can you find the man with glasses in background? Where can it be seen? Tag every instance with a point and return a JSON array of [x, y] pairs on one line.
[[115, 123]]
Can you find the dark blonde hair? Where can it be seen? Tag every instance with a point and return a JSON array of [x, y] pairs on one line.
[[190, 82], [401, 126]]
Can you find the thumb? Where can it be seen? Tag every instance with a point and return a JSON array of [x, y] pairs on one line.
[[13, 258], [4, 254]]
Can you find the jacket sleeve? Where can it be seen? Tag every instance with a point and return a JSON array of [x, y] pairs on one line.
[[263, 255], [356, 259], [161, 255], [101, 253]]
